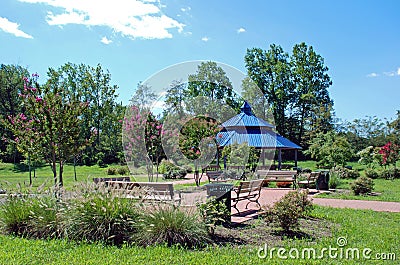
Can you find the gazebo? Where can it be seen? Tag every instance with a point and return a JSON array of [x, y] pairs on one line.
[[247, 128]]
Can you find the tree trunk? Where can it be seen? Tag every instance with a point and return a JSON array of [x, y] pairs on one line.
[[61, 169], [30, 170], [75, 168]]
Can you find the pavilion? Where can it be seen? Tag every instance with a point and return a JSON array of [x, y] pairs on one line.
[[247, 128]]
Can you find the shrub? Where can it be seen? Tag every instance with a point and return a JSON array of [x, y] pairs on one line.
[[188, 169], [289, 209], [167, 225], [123, 170], [362, 185], [352, 174], [286, 184], [111, 171], [214, 212], [334, 180], [371, 173], [229, 174], [345, 173], [391, 173]]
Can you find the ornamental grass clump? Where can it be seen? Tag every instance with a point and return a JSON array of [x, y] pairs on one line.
[[100, 214], [171, 226], [31, 214], [289, 209]]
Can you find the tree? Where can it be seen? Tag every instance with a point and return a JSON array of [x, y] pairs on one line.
[[11, 84], [394, 129], [295, 86], [330, 149], [363, 132], [390, 154], [175, 98], [210, 82], [258, 101], [153, 140], [197, 142], [270, 70], [50, 124], [313, 106], [92, 85]]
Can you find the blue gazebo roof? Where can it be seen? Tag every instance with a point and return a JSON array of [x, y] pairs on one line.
[[246, 127]]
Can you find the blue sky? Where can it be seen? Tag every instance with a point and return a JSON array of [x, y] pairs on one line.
[[133, 39]]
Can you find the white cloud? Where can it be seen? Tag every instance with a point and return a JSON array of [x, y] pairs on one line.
[[372, 75], [13, 28], [106, 41], [389, 73], [205, 39], [186, 9], [241, 30], [398, 71], [131, 18]]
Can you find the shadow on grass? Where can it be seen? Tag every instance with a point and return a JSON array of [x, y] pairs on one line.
[[292, 234], [22, 167]]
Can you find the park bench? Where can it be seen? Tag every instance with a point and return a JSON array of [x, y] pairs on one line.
[[247, 190], [278, 176], [100, 180], [214, 176], [151, 191], [310, 180]]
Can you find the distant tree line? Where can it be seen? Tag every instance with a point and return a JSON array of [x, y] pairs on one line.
[[292, 89]]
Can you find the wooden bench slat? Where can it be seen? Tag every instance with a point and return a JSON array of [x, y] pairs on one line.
[[247, 190]]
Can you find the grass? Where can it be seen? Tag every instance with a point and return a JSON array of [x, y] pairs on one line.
[[362, 229], [13, 175], [386, 190]]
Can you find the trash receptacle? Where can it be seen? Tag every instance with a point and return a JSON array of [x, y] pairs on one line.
[[323, 180], [221, 192]]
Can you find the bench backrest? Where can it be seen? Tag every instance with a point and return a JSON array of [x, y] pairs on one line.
[[158, 188], [250, 187], [313, 176], [276, 173], [98, 180], [211, 168]]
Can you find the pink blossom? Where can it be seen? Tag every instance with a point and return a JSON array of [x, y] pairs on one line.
[[38, 99], [197, 152]]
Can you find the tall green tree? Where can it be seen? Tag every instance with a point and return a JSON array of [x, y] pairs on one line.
[[211, 83], [270, 70], [93, 85], [312, 106]]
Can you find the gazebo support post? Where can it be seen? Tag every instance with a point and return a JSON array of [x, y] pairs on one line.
[[295, 158], [217, 158], [263, 156], [279, 159]]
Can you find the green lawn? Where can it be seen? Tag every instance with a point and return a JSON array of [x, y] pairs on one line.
[[377, 231], [386, 190], [13, 175]]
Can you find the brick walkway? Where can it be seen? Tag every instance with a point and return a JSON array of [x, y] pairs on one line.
[[270, 195]]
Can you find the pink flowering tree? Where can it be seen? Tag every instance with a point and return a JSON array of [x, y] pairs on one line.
[[390, 153], [142, 139], [197, 142], [50, 124]]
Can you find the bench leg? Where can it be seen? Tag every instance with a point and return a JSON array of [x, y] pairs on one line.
[[235, 207]]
